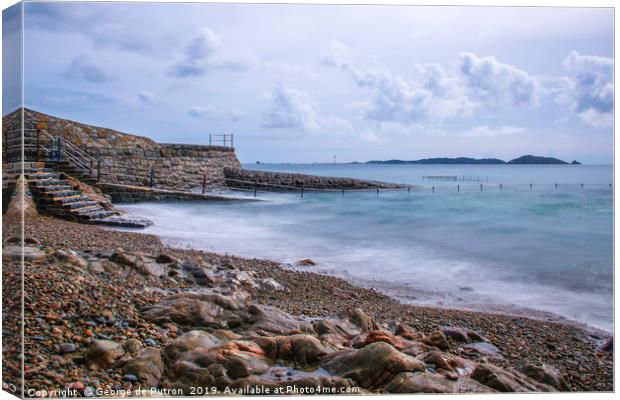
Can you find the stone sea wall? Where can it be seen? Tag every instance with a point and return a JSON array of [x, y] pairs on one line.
[[129, 159], [282, 181]]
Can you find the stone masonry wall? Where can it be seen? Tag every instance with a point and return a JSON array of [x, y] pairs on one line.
[[128, 159]]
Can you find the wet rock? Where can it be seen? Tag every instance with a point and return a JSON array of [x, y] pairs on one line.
[[271, 285], [186, 311], [448, 362], [376, 336], [414, 349], [483, 349], [69, 257], [147, 366], [303, 349], [273, 320], [407, 332], [373, 365], [130, 378], [545, 374], [31, 254], [507, 381], [462, 335], [437, 339], [103, 353], [362, 322], [426, 382], [189, 341], [197, 273], [239, 358]]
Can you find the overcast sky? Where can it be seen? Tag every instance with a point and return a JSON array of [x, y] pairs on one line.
[[301, 83]]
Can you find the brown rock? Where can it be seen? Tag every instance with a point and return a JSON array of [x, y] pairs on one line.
[[302, 349], [545, 374], [273, 320], [103, 353], [507, 380], [437, 339], [147, 366], [189, 341], [373, 365]]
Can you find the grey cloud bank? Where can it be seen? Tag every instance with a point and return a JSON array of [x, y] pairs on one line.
[[437, 81]]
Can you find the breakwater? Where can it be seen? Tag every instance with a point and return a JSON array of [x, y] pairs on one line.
[[286, 181]]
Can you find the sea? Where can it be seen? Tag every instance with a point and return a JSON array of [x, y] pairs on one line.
[[530, 240]]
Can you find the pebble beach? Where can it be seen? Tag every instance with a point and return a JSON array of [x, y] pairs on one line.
[[110, 312]]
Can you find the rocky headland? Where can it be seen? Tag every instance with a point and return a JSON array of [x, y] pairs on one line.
[[114, 313]]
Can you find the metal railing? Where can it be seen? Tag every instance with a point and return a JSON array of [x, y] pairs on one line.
[[225, 140]]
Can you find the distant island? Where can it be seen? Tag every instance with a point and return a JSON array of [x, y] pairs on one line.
[[527, 159]]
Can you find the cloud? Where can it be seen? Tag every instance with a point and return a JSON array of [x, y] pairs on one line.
[[233, 115], [290, 108], [589, 92], [147, 97], [493, 82], [66, 98], [83, 68], [203, 55], [484, 131]]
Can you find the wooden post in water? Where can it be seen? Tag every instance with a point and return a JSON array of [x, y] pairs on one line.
[[481, 187], [582, 185], [377, 192], [458, 188], [204, 183], [408, 190], [530, 186], [302, 192], [342, 192], [556, 185], [152, 178], [433, 188], [500, 186]]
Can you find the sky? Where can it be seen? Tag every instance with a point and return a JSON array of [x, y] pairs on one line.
[[305, 83]]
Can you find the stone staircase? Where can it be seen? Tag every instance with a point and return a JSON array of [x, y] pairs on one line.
[[55, 196]]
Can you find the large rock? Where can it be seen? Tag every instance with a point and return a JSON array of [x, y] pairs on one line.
[[506, 380], [302, 349], [545, 374], [187, 311], [437, 339], [189, 341], [426, 382], [272, 320], [373, 365], [448, 362], [239, 358], [104, 353], [147, 366]]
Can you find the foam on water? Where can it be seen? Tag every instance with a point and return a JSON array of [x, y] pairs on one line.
[[507, 250]]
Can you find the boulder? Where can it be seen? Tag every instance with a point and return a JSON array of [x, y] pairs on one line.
[[69, 257], [302, 349], [147, 366], [271, 285], [448, 362], [31, 254], [462, 335], [546, 374], [189, 341], [485, 349], [373, 365], [104, 353], [275, 321], [186, 311], [239, 358], [507, 380], [427, 382], [437, 339]]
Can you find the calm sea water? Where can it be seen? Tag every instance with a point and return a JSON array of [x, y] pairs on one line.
[[513, 249]]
